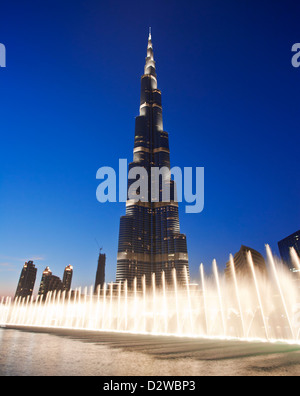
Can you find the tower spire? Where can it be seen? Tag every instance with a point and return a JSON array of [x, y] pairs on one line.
[[150, 63]]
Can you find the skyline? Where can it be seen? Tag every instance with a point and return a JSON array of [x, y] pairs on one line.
[[63, 90]]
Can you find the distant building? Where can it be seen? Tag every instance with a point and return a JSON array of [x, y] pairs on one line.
[[27, 280], [242, 266], [285, 245], [67, 279], [49, 283], [100, 275], [47, 272]]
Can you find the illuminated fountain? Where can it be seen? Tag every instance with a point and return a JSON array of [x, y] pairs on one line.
[[259, 308]]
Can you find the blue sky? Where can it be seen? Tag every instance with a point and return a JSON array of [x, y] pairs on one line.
[[68, 99]]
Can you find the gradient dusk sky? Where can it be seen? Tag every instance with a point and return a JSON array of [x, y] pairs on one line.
[[69, 95]]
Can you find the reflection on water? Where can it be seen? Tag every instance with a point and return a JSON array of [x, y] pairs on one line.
[[90, 353]]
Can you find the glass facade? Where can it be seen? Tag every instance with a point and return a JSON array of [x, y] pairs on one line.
[[67, 278], [49, 283], [285, 245], [27, 280], [150, 240]]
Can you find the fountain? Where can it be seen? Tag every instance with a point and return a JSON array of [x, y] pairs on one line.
[[204, 296], [216, 274], [295, 258], [232, 265], [256, 309], [250, 260]]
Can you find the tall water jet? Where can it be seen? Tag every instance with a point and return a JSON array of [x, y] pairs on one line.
[[237, 292], [176, 299], [12, 314], [126, 303], [40, 310], [98, 306], [63, 315], [216, 273], [295, 258], [111, 285], [189, 298], [204, 296], [135, 309], [25, 318], [47, 308], [154, 301], [119, 304], [273, 266], [250, 261], [7, 308], [58, 313], [68, 323], [83, 310], [144, 301], [77, 307], [104, 305], [90, 308], [4, 313], [165, 304], [2, 317]]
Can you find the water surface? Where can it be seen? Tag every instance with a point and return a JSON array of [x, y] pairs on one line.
[[65, 352]]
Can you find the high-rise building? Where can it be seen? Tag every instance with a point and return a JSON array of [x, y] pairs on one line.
[[100, 275], [149, 239], [292, 241], [27, 280], [46, 273], [49, 283], [242, 266], [67, 278]]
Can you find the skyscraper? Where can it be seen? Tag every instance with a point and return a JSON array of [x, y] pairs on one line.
[[27, 280], [242, 266], [100, 275], [67, 278], [46, 273], [149, 239], [49, 283], [286, 244]]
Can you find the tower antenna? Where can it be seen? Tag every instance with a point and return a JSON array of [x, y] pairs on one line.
[[100, 248]]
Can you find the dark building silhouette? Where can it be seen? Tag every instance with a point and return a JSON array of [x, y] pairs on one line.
[[47, 272], [292, 241], [27, 280], [242, 266], [149, 239], [100, 275], [67, 278], [49, 283]]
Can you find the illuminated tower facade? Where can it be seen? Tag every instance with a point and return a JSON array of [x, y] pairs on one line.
[[49, 282], [150, 241], [67, 278], [27, 280], [292, 241]]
